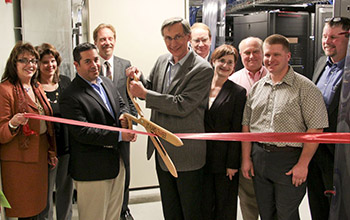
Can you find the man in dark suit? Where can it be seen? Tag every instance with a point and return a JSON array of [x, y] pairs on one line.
[[328, 77], [114, 67], [96, 163], [177, 91], [201, 40]]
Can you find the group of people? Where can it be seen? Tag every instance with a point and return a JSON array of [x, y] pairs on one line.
[[189, 90], [38, 157]]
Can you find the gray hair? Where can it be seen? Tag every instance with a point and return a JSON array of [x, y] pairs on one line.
[[175, 20]]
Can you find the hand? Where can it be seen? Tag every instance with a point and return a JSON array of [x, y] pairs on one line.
[[128, 137], [124, 121], [138, 90], [299, 174], [231, 172], [247, 168], [132, 72], [18, 119], [53, 162]]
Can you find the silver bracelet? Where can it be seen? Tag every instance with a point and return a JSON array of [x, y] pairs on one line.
[[12, 127]]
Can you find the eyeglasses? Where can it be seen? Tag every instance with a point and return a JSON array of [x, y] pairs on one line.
[[228, 62], [27, 61], [176, 38], [333, 19]]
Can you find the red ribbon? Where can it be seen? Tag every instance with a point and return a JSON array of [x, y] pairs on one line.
[[340, 138]]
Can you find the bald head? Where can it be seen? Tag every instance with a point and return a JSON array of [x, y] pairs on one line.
[[251, 53]]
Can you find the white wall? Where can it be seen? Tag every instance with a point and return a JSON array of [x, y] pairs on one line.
[[7, 35], [139, 39]]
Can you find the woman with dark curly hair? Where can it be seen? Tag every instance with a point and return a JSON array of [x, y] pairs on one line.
[[26, 146]]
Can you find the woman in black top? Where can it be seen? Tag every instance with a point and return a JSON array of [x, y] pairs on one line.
[[224, 114], [53, 84]]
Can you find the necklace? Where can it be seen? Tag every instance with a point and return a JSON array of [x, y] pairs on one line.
[[26, 89], [54, 101], [38, 105]]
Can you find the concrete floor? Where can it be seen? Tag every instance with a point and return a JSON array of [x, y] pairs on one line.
[[146, 205]]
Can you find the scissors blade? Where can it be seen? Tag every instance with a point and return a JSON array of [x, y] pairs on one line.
[[164, 155], [160, 132]]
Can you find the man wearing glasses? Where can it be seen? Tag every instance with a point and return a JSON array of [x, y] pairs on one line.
[[328, 78], [177, 91]]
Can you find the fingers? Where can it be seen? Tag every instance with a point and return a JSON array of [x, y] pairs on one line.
[[18, 119], [246, 174], [298, 181], [123, 121], [128, 136], [252, 171], [132, 71], [53, 162]]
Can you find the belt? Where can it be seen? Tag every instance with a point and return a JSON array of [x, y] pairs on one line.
[[275, 148]]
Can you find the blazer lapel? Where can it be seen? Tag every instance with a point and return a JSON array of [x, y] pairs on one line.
[[114, 105], [185, 68], [117, 67], [90, 91], [162, 69], [320, 66], [222, 96]]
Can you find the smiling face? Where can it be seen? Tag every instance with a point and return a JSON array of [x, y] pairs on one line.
[[176, 41], [251, 55], [224, 66], [26, 67], [48, 65], [89, 65], [105, 43], [276, 58], [200, 42], [333, 44]]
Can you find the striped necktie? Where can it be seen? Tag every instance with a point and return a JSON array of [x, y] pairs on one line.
[[108, 70]]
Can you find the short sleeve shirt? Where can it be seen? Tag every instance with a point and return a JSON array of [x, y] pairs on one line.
[[293, 105]]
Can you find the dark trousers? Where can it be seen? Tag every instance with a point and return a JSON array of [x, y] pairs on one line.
[[127, 180], [320, 179], [63, 182], [219, 200], [277, 197], [181, 197]]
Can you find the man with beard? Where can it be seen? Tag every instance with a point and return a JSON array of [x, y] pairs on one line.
[[328, 78]]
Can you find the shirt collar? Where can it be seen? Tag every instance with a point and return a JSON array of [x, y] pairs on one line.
[[339, 64], [98, 81], [260, 71], [182, 61], [110, 61], [288, 78]]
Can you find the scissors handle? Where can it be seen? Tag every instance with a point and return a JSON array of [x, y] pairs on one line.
[[139, 111]]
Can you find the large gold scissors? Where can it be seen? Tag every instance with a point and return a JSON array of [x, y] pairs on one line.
[[155, 129]]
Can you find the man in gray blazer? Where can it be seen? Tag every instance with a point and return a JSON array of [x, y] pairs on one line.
[[328, 78], [114, 68], [177, 91]]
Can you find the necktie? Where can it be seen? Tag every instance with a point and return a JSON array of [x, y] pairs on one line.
[[108, 70]]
